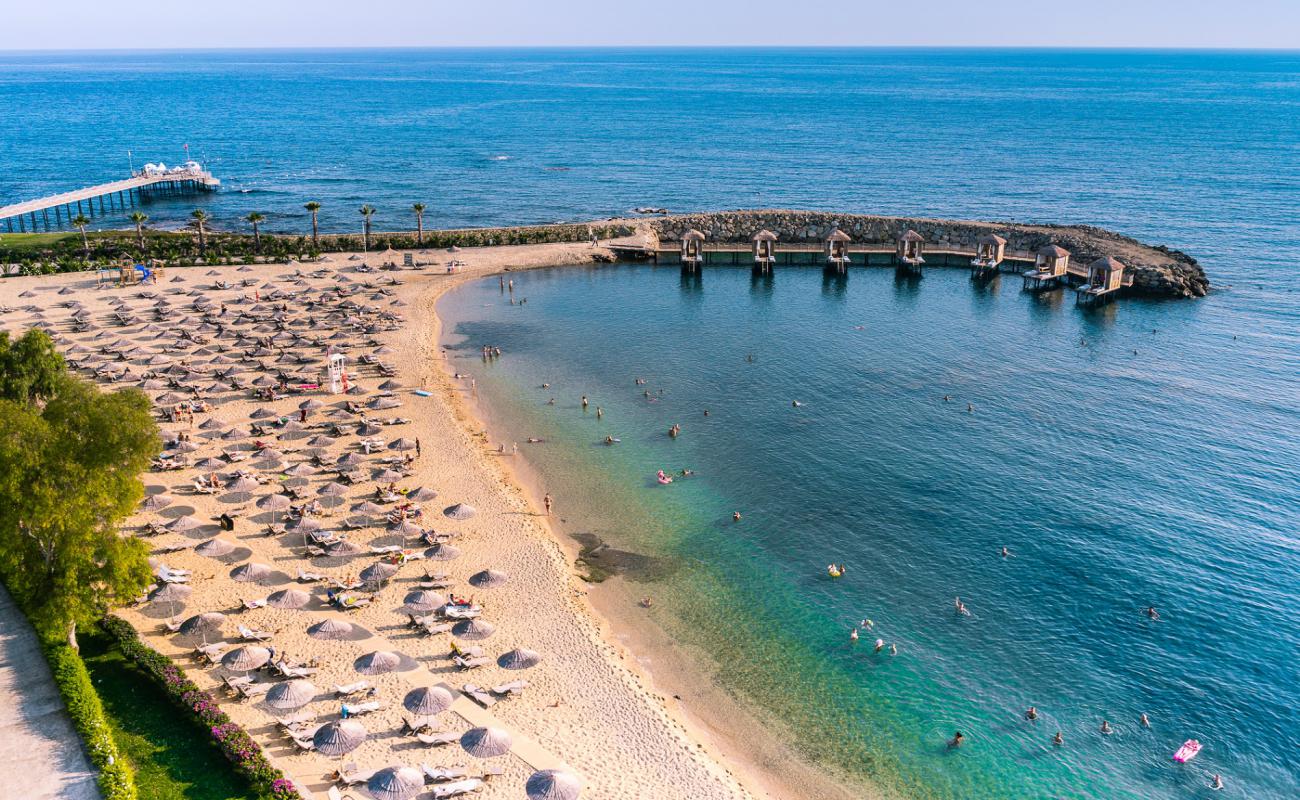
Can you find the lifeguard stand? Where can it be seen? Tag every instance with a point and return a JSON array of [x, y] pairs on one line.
[[692, 250], [910, 252], [1105, 277], [1051, 263], [338, 373], [837, 250], [764, 251]]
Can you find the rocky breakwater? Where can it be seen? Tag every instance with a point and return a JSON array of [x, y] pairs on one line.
[[1157, 271]]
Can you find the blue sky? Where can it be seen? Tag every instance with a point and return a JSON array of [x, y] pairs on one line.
[[168, 24]]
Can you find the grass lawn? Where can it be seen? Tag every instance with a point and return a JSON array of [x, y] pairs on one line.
[[173, 759]]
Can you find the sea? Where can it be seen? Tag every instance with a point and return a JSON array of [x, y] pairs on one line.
[[1143, 454]]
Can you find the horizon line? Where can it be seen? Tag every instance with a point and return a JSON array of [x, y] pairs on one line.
[[666, 47]]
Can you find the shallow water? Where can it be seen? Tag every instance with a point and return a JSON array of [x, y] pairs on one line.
[[1118, 480]]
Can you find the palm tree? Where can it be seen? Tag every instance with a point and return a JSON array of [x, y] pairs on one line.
[[80, 221], [139, 218], [314, 208], [252, 219], [367, 212], [418, 208], [200, 216]]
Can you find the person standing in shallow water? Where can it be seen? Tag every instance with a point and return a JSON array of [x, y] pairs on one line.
[[546, 501]]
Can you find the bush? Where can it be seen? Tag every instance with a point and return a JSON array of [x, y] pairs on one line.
[[242, 750], [116, 779]]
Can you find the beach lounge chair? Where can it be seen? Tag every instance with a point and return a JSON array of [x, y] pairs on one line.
[[461, 612], [249, 605], [433, 628], [335, 794], [349, 775], [360, 709], [290, 671], [457, 788], [443, 774], [309, 577], [510, 689], [343, 690], [479, 695], [471, 663], [203, 488], [250, 690], [295, 721], [438, 739], [172, 625], [250, 635], [233, 682]]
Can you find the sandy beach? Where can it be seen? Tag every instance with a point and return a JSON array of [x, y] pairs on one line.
[[590, 706]]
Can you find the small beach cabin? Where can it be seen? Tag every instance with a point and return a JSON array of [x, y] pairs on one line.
[[1105, 278], [1051, 263], [990, 249], [910, 250], [764, 250], [692, 249], [837, 249]]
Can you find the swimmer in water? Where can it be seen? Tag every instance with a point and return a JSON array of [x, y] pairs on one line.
[[957, 739], [1058, 739], [947, 398], [584, 402], [880, 645], [970, 408], [546, 386], [961, 607], [1152, 613], [853, 636], [795, 403], [1217, 783], [893, 649], [1031, 714], [600, 412], [1146, 723], [609, 440], [706, 412], [735, 516], [1006, 553], [1106, 730], [868, 624]]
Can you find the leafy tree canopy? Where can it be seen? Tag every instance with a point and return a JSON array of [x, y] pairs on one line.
[[70, 464]]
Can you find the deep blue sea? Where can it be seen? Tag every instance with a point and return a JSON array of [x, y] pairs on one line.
[[1147, 453]]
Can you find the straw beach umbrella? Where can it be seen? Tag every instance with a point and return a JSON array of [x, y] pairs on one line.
[[336, 630], [423, 601], [519, 658], [288, 598], [553, 784], [442, 552], [379, 662], [158, 501], [489, 579], [291, 694], [203, 624], [338, 738], [427, 701], [172, 594], [460, 511], [473, 629], [246, 658], [395, 783], [422, 495], [378, 572], [486, 742], [251, 572]]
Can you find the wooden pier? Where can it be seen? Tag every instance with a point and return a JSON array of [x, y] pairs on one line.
[[55, 211]]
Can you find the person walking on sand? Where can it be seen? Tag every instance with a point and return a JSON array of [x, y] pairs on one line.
[[546, 501], [417, 447], [514, 449]]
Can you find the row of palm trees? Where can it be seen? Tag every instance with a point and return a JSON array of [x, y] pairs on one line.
[[255, 218]]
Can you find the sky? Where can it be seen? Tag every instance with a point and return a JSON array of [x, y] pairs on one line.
[[168, 24]]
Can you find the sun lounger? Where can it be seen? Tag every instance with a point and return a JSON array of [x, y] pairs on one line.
[[249, 605], [443, 774], [233, 682], [210, 652], [510, 689], [251, 690], [350, 776], [335, 794], [437, 739], [457, 788], [203, 488], [343, 690], [309, 577], [434, 628], [250, 635], [360, 709], [479, 695], [290, 671], [461, 612], [471, 663], [295, 721], [173, 625]]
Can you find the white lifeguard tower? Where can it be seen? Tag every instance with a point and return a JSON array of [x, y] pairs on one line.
[[338, 372]]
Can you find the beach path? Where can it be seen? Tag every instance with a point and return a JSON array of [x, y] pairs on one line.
[[38, 745]]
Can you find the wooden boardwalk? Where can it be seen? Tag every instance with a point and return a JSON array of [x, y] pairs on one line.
[[26, 216]]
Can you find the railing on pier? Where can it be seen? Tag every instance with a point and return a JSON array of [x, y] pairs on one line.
[[125, 191]]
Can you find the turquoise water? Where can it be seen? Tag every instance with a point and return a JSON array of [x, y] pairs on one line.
[[1168, 477], [1118, 480]]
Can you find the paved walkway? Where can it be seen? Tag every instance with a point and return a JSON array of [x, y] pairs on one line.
[[39, 749]]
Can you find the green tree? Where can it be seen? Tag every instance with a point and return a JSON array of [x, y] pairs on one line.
[[70, 463], [139, 218], [418, 208], [80, 222], [200, 219], [253, 219], [367, 212], [314, 208]]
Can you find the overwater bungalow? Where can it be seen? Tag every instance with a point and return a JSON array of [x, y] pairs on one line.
[[692, 249], [911, 250], [989, 252], [1051, 263], [1105, 278], [764, 250], [837, 249]]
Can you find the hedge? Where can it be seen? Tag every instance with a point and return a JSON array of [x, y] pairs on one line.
[[242, 750], [116, 778]]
